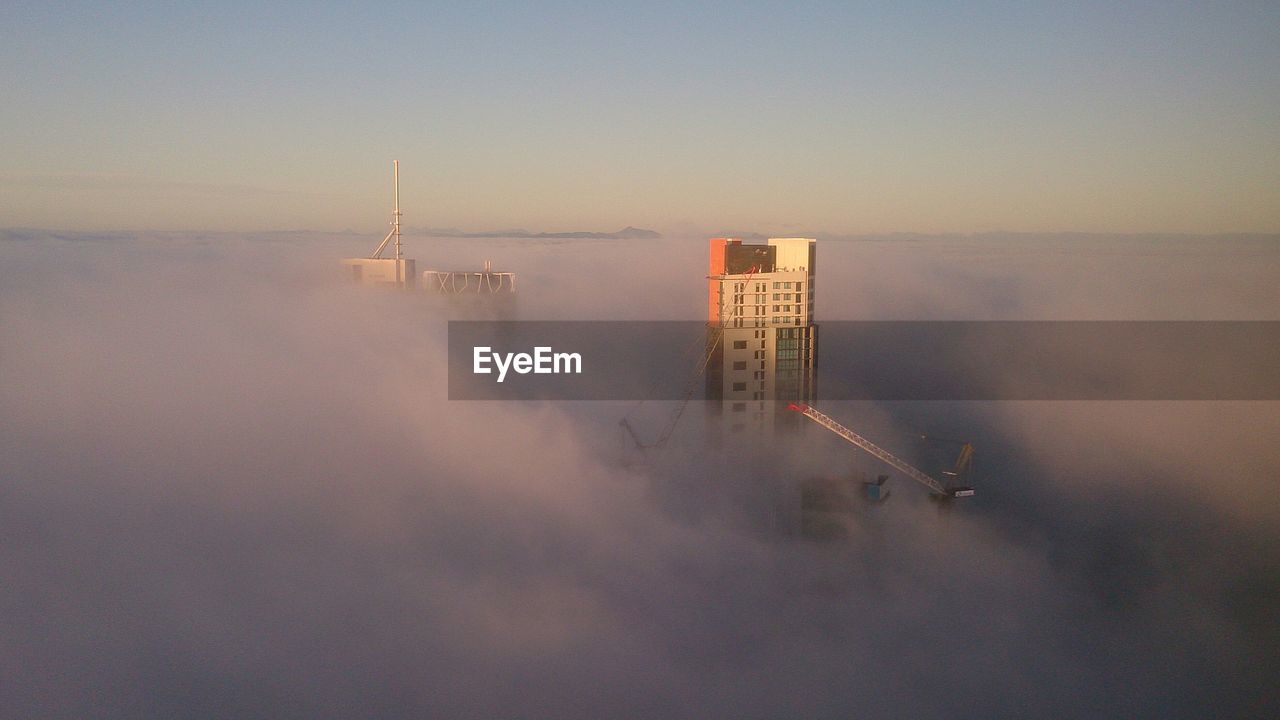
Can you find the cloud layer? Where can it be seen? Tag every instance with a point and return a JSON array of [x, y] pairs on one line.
[[232, 486]]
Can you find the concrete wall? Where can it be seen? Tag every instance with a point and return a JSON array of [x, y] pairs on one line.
[[793, 253], [382, 271], [752, 311]]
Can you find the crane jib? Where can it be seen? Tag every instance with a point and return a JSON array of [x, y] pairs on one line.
[[879, 452]]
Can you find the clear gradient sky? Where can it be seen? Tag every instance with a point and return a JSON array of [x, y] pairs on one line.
[[767, 116]]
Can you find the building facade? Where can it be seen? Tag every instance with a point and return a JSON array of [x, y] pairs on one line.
[[762, 295]]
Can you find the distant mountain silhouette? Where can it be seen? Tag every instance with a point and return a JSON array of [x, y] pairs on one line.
[[753, 236]]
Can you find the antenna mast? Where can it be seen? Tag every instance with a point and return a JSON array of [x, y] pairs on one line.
[[395, 221], [395, 169]]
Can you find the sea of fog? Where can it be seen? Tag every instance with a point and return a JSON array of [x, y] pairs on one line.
[[233, 485]]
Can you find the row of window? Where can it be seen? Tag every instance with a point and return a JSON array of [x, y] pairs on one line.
[[786, 338], [797, 285], [765, 320], [741, 298], [788, 309]]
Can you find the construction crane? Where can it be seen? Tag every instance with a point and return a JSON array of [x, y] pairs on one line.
[[691, 386], [896, 462]]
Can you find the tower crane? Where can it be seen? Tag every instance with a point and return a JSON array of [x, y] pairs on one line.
[[896, 462], [691, 386]]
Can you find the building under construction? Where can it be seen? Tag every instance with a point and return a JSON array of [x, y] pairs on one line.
[[762, 296], [759, 371], [469, 282], [396, 271], [400, 272]]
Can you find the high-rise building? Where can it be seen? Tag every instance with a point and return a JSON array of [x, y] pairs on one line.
[[762, 295]]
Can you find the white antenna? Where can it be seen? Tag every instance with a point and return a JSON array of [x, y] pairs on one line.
[[395, 220], [395, 171]]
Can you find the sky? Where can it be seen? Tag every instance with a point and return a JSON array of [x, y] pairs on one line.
[[777, 118]]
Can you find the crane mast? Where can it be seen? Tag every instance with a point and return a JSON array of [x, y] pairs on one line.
[[395, 219], [691, 386], [893, 460], [963, 462]]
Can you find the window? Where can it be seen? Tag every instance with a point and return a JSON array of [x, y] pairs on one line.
[[799, 287], [739, 387], [777, 286], [775, 308], [739, 407], [739, 344], [739, 364], [798, 297], [777, 296]]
